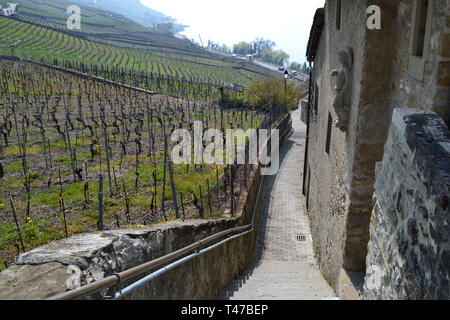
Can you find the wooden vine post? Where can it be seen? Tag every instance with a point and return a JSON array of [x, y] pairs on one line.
[[101, 205]]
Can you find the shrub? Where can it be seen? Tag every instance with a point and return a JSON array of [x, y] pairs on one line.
[[271, 93]]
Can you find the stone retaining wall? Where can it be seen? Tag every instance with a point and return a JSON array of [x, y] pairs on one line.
[[409, 254]]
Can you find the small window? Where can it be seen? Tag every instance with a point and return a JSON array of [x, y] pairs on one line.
[[316, 99], [420, 28], [308, 191], [420, 37], [338, 14], [330, 129], [311, 97]]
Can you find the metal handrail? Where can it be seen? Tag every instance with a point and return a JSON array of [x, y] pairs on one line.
[[110, 281], [113, 280], [171, 266]]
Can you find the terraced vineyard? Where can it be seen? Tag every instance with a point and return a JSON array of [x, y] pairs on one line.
[[60, 133], [85, 122], [51, 13], [109, 41], [42, 44]]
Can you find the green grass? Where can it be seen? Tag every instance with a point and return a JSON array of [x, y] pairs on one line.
[[41, 229], [13, 150], [14, 166]]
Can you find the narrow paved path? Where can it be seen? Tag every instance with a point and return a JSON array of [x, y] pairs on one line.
[[283, 268]]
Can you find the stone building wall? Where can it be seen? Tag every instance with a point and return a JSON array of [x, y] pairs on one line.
[[341, 182], [327, 220], [304, 111], [329, 175], [409, 253], [340, 186], [433, 91], [368, 128]]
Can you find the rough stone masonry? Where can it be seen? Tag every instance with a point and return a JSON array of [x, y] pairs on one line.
[[409, 254]]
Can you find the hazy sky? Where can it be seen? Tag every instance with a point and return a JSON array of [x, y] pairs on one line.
[[287, 22]]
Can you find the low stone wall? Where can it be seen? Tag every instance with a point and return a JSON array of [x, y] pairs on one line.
[[409, 254]]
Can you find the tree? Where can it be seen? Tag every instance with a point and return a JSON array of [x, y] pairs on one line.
[[224, 48], [295, 66], [166, 27], [278, 57], [212, 45], [300, 67], [305, 68], [217, 46], [242, 48], [260, 45]]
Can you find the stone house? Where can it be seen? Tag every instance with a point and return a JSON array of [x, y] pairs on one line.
[[377, 163]]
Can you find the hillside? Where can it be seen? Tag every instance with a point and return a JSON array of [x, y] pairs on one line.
[[39, 43], [134, 10], [95, 22], [115, 45]]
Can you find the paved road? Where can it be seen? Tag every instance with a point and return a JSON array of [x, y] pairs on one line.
[[283, 268], [301, 76]]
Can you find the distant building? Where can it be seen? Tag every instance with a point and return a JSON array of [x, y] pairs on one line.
[[181, 36], [10, 10], [250, 57]]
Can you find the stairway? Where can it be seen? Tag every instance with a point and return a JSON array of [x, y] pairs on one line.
[[284, 267]]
